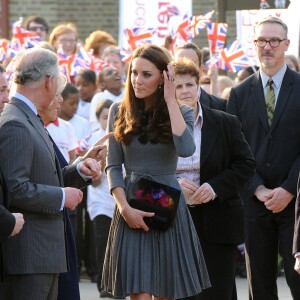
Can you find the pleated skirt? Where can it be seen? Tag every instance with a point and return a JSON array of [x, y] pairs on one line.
[[167, 264]]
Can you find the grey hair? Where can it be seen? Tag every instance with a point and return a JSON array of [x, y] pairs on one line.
[[34, 64], [272, 20]]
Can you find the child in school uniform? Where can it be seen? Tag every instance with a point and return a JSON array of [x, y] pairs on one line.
[[100, 203], [86, 84]]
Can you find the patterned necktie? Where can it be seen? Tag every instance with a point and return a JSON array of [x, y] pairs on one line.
[[270, 100]]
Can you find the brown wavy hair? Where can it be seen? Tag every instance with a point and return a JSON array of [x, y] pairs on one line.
[[129, 120]]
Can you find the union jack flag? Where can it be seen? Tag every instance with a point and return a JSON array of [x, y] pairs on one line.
[[214, 60], [65, 62], [182, 32], [84, 55], [83, 144], [233, 58], [137, 36], [125, 55], [198, 23], [23, 38], [98, 64], [86, 60], [4, 47], [181, 35], [216, 33], [78, 64]]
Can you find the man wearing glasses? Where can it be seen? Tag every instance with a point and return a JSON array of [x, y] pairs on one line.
[[37, 25], [267, 104]]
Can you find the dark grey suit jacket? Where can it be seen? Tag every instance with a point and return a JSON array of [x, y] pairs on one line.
[[276, 148], [33, 180]]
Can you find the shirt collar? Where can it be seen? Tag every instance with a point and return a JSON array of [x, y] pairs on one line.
[[26, 101], [56, 123], [277, 78]]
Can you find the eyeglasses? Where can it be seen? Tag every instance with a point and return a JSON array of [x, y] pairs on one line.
[[67, 41], [38, 28], [273, 43]]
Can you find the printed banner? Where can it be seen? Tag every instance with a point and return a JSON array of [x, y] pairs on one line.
[[161, 15], [246, 19]]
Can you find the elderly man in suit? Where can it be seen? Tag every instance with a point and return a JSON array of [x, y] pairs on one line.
[[34, 181], [267, 104]]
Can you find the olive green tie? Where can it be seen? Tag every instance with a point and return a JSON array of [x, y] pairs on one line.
[[270, 100]]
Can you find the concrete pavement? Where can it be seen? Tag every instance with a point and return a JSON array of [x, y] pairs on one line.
[[88, 290]]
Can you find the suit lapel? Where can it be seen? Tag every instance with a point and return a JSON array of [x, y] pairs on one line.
[[283, 97], [259, 99], [209, 133], [204, 99]]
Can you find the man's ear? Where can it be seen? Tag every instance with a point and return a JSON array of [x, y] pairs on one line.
[[48, 82]]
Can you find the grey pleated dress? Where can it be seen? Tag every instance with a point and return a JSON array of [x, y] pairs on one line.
[[162, 263]]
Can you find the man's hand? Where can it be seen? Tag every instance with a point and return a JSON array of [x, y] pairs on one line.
[[297, 264], [278, 200], [19, 223], [263, 194], [73, 197], [98, 151], [90, 167]]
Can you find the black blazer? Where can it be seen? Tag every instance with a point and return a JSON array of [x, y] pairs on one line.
[[226, 163], [276, 149], [7, 224], [212, 101], [7, 220]]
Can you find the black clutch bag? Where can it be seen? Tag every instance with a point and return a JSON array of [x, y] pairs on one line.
[[152, 196]]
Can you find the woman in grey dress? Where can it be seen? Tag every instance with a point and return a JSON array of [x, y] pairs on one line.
[[151, 131]]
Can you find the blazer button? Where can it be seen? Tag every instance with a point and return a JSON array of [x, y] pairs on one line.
[[268, 165]]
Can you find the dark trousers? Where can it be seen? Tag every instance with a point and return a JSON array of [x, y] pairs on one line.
[[101, 230], [68, 287], [85, 240], [220, 262], [30, 287], [267, 235]]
